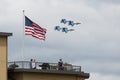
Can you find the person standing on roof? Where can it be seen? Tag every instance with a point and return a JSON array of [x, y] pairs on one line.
[[60, 64]]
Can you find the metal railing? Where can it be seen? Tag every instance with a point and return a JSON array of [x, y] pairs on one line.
[[43, 65]]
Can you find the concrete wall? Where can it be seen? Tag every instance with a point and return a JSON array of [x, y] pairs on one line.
[[3, 57], [17, 76], [36, 76], [43, 76]]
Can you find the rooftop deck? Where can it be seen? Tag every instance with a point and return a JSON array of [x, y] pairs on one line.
[[43, 66]]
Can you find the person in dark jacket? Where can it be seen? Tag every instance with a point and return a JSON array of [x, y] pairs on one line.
[[60, 64]]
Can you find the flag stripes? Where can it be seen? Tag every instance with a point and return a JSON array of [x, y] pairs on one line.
[[34, 29]]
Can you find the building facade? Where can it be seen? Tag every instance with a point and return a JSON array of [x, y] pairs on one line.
[[21, 70], [31, 74], [3, 55]]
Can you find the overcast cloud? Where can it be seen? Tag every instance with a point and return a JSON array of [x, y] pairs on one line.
[[94, 45]]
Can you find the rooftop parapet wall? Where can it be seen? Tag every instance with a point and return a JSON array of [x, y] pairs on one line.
[[5, 34]]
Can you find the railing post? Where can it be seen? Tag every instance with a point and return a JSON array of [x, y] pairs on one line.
[[22, 64], [80, 69]]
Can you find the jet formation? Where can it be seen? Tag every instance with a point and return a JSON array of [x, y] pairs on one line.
[[67, 23]]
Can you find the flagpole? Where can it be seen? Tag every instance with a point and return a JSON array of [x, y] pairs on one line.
[[23, 33]]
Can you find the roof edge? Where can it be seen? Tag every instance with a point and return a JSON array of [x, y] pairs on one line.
[[5, 34], [82, 74]]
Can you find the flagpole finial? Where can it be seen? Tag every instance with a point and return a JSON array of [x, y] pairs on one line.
[[23, 12]]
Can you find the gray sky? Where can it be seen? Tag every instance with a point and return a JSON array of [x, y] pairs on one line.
[[94, 45]]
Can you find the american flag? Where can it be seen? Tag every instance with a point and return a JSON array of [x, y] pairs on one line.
[[33, 29]]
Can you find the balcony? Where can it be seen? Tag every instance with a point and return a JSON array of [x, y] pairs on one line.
[[43, 66]]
